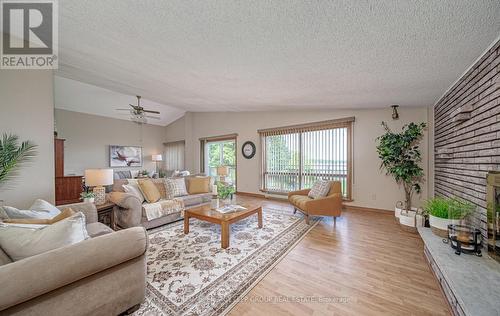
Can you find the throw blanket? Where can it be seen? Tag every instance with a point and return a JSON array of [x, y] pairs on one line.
[[163, 208]]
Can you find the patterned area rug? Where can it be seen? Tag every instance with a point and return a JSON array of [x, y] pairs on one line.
[[191, 275]]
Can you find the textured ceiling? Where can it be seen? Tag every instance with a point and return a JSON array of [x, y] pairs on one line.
[[256, 55], [81, 97]]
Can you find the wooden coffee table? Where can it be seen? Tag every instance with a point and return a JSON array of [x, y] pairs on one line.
[[206, 213]]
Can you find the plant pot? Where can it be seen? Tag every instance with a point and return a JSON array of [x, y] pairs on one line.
[[407, 221], [439, 226], [398, 211], [89, 200]]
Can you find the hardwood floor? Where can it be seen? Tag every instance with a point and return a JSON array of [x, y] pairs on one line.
[[365, 260]]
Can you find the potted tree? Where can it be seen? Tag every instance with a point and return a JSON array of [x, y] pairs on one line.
[[401, 157]]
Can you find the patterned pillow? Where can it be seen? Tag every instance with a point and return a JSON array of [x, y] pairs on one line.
[[176, 187], [320, 189], [161, 186]]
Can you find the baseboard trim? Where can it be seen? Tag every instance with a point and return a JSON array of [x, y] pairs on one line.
[[369, 209], [257, 195]]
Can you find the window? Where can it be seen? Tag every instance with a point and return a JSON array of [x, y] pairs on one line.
[[295, 157], [219, 151], [174, 156]]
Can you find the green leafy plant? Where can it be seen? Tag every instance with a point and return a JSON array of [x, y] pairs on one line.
[[13, 155], [87, 195], [460, 208], [451, 208], [161, 173], [224, 191], [437, 207], [401, 157]]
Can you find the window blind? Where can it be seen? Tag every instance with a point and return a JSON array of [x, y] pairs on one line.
[[294, 157], [174, 156]]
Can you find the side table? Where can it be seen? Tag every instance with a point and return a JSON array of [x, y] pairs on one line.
[[106, 214]]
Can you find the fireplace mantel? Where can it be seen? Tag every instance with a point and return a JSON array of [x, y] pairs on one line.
[[470, 283]]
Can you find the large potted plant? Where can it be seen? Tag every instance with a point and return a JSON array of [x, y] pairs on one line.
[[13, 155], [401, 157], [445, 211]]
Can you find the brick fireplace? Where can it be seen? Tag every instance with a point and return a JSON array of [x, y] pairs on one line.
[[467, 135]]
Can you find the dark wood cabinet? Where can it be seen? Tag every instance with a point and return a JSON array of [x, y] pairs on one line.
[[59, 156], [68, 188]]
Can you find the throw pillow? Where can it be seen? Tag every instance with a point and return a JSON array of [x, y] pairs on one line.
[[149, 190], [44, 206], [176, 187], [20, 242], [198, 185], [39, 209], [320, 189], [134, 190], [160, 185], [3, 213], [65, 213]]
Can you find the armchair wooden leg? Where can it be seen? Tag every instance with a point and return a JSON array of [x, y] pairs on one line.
[[294, 210], [307, 219], [334, 220]]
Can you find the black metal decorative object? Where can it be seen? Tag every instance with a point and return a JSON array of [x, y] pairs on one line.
[[464, 239], [248, 149]]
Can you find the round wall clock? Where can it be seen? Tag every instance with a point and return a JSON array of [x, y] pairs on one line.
[[248, 149]]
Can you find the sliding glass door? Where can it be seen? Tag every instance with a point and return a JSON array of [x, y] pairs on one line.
[[221, 153], [295, 158]]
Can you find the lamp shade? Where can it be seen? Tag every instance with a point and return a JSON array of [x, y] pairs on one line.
[[222, 170], [98, 177], [156, 158]]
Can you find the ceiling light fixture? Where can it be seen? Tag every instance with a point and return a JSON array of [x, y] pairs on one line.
[[395, 114]]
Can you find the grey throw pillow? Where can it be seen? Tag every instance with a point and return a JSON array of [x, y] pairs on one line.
[[175, 187], [21, 242], [320, 189]]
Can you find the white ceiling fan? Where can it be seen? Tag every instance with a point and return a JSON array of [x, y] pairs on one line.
[[139, 114]]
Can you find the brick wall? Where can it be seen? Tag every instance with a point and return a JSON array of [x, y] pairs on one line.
[[467, 134]]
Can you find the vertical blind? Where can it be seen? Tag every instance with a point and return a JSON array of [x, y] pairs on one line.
[[295, 157], [174, 155]]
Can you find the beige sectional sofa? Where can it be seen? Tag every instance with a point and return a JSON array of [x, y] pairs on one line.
[[129, 211], [104, 275]]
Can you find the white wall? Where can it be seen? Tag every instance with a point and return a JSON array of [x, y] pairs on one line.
[[176, 131], [27, 110], [371, 187], [88, 138]]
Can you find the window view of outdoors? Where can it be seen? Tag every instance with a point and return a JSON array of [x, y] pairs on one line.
[[295, 161], [221, 153]]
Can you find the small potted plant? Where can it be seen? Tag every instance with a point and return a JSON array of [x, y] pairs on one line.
[[88, 197], [445, 211], [224, 191]]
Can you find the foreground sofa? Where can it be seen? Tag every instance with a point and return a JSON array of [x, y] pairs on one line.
[[330, 205], [104, 275], [129, 210]]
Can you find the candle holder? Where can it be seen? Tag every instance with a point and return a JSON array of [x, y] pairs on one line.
[[464, 239]]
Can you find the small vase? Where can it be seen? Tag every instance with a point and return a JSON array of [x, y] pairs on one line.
[[88, 200]]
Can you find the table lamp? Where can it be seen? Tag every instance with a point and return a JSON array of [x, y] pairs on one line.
[[157, 158], [97, 178], [222, 172]]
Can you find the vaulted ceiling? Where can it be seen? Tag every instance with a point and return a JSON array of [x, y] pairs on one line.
[[257, 55]]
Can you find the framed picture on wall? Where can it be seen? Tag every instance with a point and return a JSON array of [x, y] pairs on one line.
[[125, 156]]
